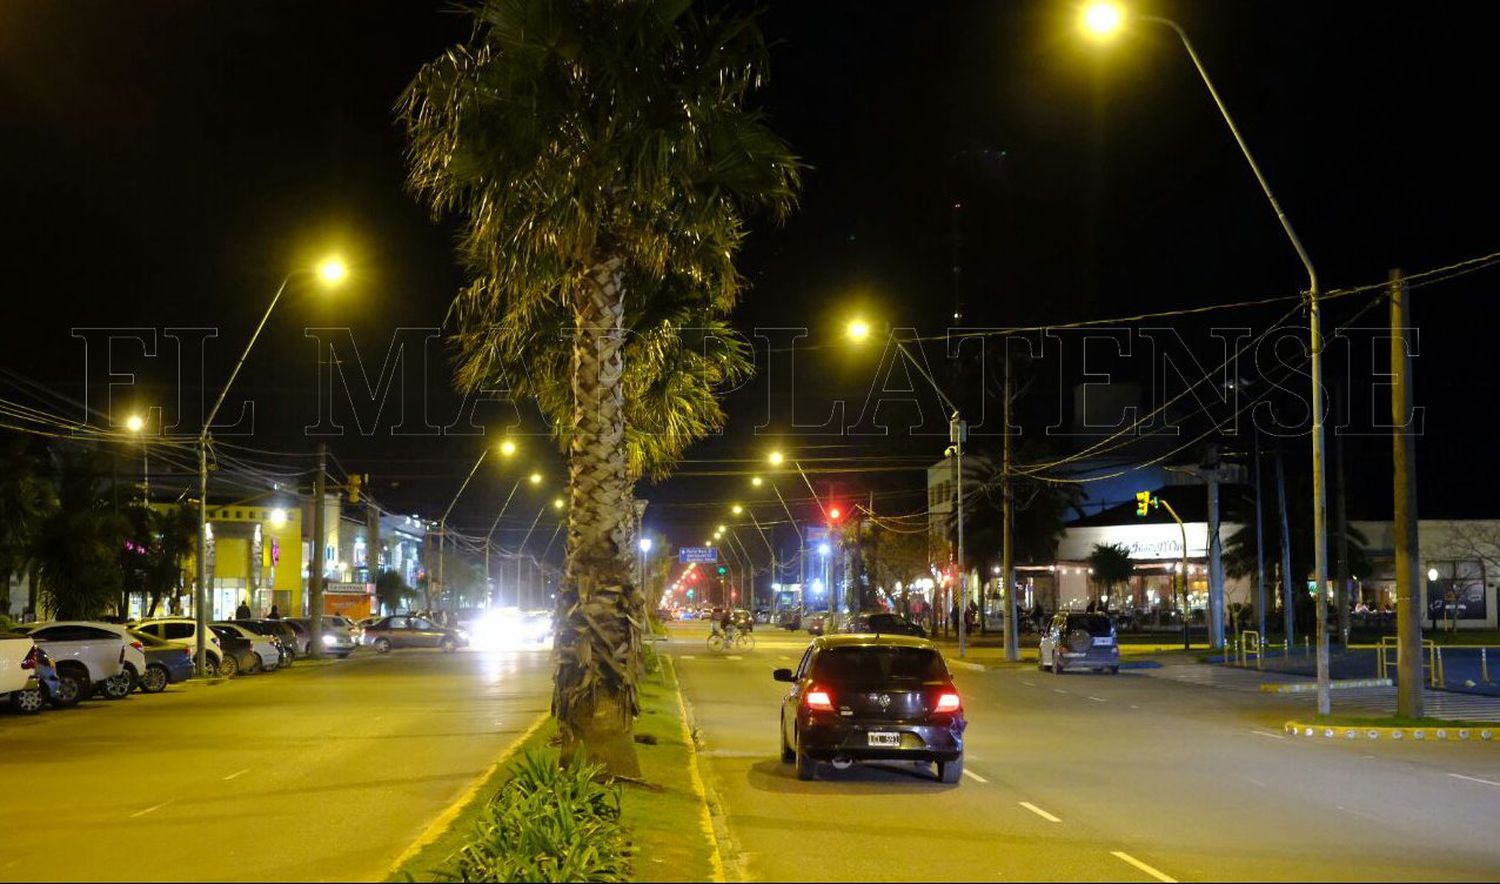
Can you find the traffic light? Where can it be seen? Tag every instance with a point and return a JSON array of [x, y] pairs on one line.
[[690, 594], [834, 514], [1142, 502], [354, 480], [723, 570]]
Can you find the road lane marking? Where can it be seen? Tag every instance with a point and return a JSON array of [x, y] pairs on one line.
[[686, 657], [238, 773], [733, 657], [1133, 706], [1029, 684], [1460, 776], [1039, 812], [974, 776], [1058, 691], [141, 813], [1098, 699], [1268, 734], [1122, 855]]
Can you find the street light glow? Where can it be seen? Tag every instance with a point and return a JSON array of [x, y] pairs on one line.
[[557, 503], [536, 478], [135, 423], [1432, 573], [823, 549], [507, 448], [858, 330], [1102, 20], [776, 458], [333, 271], [737, 509], [278, 518], [645, 544], [756, 481]]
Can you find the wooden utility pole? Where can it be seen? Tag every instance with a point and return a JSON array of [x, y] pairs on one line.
[[1408, 548], [315, 567], [1008, 510], [1341, 517]]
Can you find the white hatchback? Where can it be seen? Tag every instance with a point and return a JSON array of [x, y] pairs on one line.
[[96, 655]]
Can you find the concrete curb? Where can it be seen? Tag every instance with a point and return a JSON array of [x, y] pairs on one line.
[[1350, 733], [710, 821], [1305, 687]]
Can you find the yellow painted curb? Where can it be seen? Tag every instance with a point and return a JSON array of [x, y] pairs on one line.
[[439, 826], [1307, 687], [1484, 734], [706, 821]]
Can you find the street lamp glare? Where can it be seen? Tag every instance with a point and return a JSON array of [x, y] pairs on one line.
[[333, 271], [536, 478], [135, 423], [858, 330], [756, 481], [1432, 573], [278, 518], [737, 509], [1102, 20], [775, 458], [507, 448], [557, 503], [645, 544]]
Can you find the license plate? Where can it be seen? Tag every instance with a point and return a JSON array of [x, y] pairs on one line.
[[884, 738], [1103, 642]]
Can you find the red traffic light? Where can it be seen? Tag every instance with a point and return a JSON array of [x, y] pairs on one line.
[[834, 514]]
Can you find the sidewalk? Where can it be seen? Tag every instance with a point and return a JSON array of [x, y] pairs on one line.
[[987, 649]]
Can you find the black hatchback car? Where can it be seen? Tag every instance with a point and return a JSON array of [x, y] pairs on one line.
[[872, 698]]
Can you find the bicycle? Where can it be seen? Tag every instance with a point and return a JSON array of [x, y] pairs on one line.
[[744, 641], [716, 641]]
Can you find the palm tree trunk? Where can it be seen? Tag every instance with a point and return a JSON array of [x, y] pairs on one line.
[[599, 609]]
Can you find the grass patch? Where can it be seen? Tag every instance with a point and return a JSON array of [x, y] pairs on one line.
[[426, 862], [662, 815], [1399, 721]]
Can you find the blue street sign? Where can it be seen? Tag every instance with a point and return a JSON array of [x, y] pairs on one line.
[[700, 554]]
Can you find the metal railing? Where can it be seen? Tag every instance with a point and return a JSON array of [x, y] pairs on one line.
[[1247, 645], [1434, 654]]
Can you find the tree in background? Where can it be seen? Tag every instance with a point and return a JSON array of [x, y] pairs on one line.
[[160, 540], [896, 557], [26, 500], [77, 547], [1111, 565], [602, 161], [392, 592]]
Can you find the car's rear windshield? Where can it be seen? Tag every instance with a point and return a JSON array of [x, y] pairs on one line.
[[1096, 624], [879, 665]]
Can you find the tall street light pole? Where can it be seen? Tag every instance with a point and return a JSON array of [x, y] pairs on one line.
[[331, 272], [1106, 19]]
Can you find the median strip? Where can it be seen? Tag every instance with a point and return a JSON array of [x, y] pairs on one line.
[[1155, 873], [1452, 732]]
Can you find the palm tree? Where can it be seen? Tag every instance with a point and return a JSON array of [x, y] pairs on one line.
[[1111, 566], [25, 502], [602, 160]]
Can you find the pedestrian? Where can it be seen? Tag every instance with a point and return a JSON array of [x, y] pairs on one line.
[[275, 614], [242, 612]]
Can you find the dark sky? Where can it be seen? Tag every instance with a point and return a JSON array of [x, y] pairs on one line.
[[163, 164]]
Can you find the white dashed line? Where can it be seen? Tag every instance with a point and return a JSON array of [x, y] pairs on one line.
[[1098, 699], [1268, 734], [1133, 706], [238, 773], [141, 813], [1039, 812], [1029, 684], [1459, 776], [1058, 691], [974, 776], [733, 657], [686, 657], [1122, 855]]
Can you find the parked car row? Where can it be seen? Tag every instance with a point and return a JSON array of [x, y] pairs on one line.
[[63, 662]]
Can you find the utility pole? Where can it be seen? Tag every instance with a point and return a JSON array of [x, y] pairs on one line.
[[1007, 510], [1341, 516], [1288, 596], [315, 568], [1408, 548], [1215, 554], [958, 434], [1260, 546]]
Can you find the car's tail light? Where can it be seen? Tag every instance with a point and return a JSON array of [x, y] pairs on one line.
[[138, 646], [29, 662], [818, 701], [948, 701]]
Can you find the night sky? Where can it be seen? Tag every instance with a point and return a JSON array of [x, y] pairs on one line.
[[164, 164]]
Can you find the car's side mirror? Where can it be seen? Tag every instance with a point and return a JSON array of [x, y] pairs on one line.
[[783, 675]]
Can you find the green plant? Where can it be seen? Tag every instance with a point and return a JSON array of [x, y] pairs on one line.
[[548, 822]]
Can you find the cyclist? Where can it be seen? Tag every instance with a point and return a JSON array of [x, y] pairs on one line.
[[724, 626]]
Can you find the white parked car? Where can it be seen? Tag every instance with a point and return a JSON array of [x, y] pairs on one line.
[[18, 681], [267, 655], [96, 655], [184, 630]]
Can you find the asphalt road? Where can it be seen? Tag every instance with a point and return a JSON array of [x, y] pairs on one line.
[[1090, 777], [319, 772]]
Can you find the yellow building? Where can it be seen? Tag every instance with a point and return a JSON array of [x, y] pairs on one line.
[[255, 555]]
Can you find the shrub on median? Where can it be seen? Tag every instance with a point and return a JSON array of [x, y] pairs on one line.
[[547, 823]]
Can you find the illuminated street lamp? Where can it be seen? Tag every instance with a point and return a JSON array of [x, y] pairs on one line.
[[858, 329], [1103, 19], [331, 273]]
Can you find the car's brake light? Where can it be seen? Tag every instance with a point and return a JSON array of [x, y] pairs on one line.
[[948, 701], [30, 660], [138, 646], [818, 701]]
